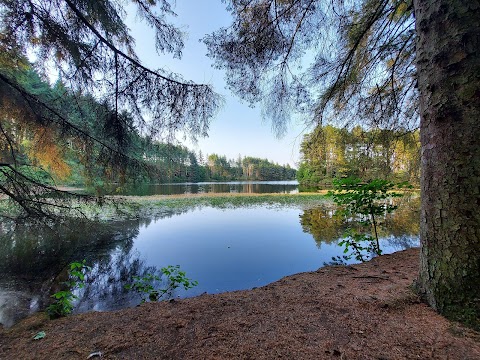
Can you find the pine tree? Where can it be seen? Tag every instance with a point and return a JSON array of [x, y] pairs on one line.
[[383, 63], [88, 43]]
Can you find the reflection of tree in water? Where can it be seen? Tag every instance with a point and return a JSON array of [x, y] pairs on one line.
[[406, 219], [400, 229], [105, 283], [40, 251], [322, 223], [34, 259], [403, 226]]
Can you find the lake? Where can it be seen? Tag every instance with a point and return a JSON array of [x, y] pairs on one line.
[[223, 249], [248, 187]]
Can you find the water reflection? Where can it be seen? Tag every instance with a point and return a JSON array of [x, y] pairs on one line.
[[249, 187], [34, 259], [223, 249], [105, 284], [406, 219], [398, 230], [322, 223]]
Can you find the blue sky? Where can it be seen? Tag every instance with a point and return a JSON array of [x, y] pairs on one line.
[[237, 129]]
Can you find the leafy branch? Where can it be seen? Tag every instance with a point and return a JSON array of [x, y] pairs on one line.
[[364, 203], [145, 285], [64, 299]]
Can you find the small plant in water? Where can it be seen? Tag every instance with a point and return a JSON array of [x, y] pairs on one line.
[[63, 304], [364, 202], [145, 285]]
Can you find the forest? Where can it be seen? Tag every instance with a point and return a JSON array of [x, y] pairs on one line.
[[332, 153], [62, 160], [174, 163], [388, 91]]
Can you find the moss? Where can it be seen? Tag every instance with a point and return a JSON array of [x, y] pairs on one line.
[[468, 314]]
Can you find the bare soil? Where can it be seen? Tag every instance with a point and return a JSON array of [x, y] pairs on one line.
[[366, 311]]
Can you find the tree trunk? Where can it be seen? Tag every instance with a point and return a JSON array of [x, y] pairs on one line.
[[448, 65]]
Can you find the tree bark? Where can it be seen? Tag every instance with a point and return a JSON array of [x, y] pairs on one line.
[[448, 66]]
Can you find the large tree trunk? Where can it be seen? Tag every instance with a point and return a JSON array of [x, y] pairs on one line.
[[448, 65]]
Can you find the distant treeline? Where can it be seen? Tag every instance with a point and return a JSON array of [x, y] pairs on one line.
[[329, 153], [176, 163], [101, 147]]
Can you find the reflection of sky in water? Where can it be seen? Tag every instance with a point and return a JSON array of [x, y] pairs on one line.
[[223, 250], [238, 248], [233, 249]]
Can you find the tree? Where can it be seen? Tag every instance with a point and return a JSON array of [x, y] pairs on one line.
[[363, 59], [330, 152], [448, 66], [88, 43], [364, 71]]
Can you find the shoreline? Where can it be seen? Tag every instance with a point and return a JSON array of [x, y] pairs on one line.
[[364, 311]]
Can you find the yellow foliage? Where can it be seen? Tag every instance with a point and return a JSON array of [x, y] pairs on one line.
[[402, 9], [42, 149], [46, 153]]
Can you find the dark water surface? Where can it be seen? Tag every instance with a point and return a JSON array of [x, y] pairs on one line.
[[249, 187], [223, 249]]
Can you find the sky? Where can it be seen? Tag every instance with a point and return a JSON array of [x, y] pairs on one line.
[[238, 128]]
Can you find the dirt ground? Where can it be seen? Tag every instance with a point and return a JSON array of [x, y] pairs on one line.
[[365, 311]]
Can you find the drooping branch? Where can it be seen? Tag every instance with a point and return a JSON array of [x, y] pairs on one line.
[[350, 43], [61, 120], [113, 105], [118, 52]]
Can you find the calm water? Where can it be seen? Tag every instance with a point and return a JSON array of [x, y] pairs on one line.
[[238, 248], [257, 187]]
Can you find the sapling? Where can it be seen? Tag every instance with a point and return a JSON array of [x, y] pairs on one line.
[[364, 203], [64, 299]]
